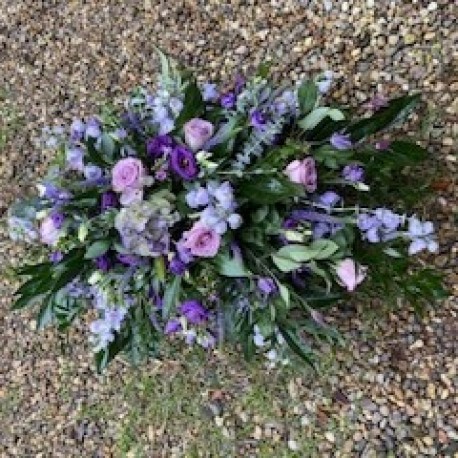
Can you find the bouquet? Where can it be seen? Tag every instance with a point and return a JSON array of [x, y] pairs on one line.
[[210, 216]]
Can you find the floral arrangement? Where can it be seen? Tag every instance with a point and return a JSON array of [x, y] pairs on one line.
[[237, 216]]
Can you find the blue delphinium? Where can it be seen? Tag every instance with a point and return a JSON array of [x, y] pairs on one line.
[[380, 226], [422, 236]]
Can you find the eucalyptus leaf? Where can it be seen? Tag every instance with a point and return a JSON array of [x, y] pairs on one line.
[[317, 115], [231, 266], [171, 296], [307, 95], [269, 189], [96, 249]]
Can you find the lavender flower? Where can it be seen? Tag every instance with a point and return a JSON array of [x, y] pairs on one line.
[[341, 141], [56, 256], [93, 129], [421, 236], [257, 119], [353, 173], [74, 159], [172, 326], [92, 172], [183, 163], [77, 130], [177, 266], [380, 226], [103, 263], [198, 197]]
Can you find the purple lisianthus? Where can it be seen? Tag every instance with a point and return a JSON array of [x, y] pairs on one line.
[[353, 173], [197, 132], [56, 256], [341, 141], [267, 285], [183, 163], [129, 260], [177, 266], [194, 311], [257, 119], [109, 200], [103, 263], [228, 100], [159, 146]]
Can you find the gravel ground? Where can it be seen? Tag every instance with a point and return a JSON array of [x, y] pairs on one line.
[[392, 391]]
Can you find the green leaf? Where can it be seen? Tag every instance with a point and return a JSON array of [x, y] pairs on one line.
[[193, 105], [307, 95], [284, 293], [231, 266], [171, 295], [297, 346], [392, 252], [331, 157], [34, 269], [107, 145], [410, 151], [94, 156], [319, 249], [323, 248], [285, 264], [269, 189], [105, 356], [264, 69], [97, 249], [46, 313], [397, 110], [317, 115]]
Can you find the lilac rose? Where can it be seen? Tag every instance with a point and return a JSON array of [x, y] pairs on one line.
[[303, 172], [197, 132], [202, 241], [127, 173]]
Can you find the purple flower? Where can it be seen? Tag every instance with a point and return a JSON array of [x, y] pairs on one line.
[[131, 121], [303, 172], [127, 173], [77, 130], [56, 256], [382, 145], [267, 285], [172, 326], [93, 129], [129, 260], [184, 253], [353, 173], [257, 119], [194, 311], [341, 141], [197, 197], [74, 158], [166, 126], [92, 172], [109, 200], [103, 263], [183, 163], [57, 219], [197, 132], [209, 92], [159, 146], [422, 236], [239, 83], [228, 100], [329, 198], [177, 266], [49, 191]]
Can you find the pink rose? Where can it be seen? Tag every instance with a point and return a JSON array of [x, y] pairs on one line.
[[197, 132], [49, 233], [127, 173], [303, 172], [350, 274], [202, 241]]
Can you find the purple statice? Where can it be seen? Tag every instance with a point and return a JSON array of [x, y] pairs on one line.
[[183, 163], [340, 141], [92, 173], [380, 226], [160, 145], [421, 235], [197, 197], [267, 286], [74, 158], [209, 92], [103, 263], [93, 128], [353, 173], [172, 326], [228, 100], [109, 200], [77, 129], [56, 256], [177, 266], [258, 119], [175, 105], [194, 311]]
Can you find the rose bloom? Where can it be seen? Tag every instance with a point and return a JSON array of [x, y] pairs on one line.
[[303, 172], [197, 132], [49, 233], [202, 241], [350, 274], [127, 173]]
